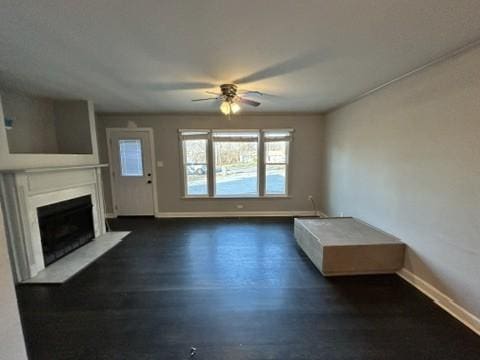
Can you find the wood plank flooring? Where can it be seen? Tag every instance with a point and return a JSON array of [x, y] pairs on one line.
[[233, 289]]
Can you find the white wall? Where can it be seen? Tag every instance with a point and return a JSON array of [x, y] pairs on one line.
[[407, 160], [12, 345]]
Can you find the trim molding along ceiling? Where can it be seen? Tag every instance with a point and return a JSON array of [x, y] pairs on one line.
[[442, 300], [442, 58]]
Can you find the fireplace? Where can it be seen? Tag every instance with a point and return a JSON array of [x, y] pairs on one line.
[[65, 226]]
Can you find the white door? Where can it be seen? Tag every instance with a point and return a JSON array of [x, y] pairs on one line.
[[132, 167]]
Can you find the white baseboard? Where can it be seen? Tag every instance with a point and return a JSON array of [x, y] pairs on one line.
[[442, 300], [321, 214], [221, 214]]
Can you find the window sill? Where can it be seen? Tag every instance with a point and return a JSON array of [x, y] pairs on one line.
[[255, 197]]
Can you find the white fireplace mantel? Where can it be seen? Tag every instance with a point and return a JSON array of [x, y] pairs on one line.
[[24, 191]]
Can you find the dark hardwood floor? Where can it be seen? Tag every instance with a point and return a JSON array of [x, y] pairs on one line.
[[234, 289]]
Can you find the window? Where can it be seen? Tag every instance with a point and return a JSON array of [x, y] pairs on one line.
[[195, 164], [235, 163], [276, 161], [131, 162]]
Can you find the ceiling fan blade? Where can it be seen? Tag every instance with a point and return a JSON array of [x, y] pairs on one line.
[[247, 101], [170, 86], [214, 98], [251, 92], [213, 93], [257, 93], [282, 68]]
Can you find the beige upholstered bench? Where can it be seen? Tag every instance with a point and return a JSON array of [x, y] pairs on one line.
[[345, 246]]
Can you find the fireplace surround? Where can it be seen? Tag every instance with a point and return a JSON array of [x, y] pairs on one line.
[[25, 194]]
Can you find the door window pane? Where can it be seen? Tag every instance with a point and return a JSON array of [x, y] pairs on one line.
[[236, 168], [195, 166], [275, 179], [131, 162]]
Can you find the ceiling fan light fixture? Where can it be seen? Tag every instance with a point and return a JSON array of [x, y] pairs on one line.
[[235, 108], [230, 101], [225, 108]]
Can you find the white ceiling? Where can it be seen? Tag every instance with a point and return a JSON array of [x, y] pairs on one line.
[[140, 56]]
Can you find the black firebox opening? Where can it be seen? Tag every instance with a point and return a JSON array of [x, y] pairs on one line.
[[65, 226]]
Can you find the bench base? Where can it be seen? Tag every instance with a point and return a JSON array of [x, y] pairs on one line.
[[345, 246]]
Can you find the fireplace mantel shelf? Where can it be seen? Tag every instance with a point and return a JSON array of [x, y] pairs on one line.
[[54, 168]]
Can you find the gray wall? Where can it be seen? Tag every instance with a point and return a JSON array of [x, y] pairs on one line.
[[33, 129], [12, 345], [304, 176], [46, 126], [407, 160], [72, 127]]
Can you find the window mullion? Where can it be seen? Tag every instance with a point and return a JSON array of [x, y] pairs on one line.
[[183, 174], [261, 165], [287, 168], [210, 166]]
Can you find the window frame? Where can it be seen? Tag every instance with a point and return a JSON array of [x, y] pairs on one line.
[[185, 135], [208, 134], [288, 141], [236, 139]]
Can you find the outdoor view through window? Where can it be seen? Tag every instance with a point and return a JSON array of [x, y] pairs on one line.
[[236, 163], [196, 169], [276, 154], [234, 167]]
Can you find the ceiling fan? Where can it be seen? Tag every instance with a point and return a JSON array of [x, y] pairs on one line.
[[228, 95], [230, 100]]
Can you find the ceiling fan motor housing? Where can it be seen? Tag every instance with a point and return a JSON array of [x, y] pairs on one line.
[[229, 91]]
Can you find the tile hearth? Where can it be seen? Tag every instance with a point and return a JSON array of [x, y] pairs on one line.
[[65, 268]]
